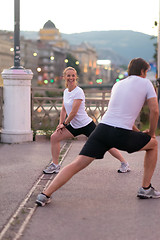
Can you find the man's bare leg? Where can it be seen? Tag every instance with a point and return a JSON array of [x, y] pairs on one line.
[[67, 173], [150, 161]]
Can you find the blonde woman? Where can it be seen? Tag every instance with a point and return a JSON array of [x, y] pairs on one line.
[[76, 123]]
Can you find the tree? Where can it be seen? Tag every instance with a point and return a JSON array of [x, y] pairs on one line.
[[155, 53], [155, 44], [73, 62]]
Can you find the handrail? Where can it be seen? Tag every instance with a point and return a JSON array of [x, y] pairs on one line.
[[46, 109]]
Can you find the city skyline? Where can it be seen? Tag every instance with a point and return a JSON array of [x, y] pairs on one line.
[[83, 16]]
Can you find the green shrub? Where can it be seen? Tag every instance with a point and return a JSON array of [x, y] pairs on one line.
[[38, 95], [144, 115], [53, 94]]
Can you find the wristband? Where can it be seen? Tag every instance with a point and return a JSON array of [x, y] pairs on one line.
[[65, 124]]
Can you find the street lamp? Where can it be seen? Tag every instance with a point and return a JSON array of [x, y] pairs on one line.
[[17, 35], [16, 80]]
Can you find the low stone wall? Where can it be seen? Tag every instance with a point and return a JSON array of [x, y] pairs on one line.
[[1, 106]]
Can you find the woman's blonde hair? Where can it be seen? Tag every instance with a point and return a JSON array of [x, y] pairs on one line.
[[64, 73]]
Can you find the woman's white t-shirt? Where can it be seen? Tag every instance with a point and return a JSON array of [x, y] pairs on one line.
[[81, 119], [127, 99]]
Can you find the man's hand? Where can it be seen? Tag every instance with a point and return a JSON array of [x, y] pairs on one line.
[[148, 132]]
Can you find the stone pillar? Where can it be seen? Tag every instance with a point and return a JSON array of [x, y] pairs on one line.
[[16, 125]]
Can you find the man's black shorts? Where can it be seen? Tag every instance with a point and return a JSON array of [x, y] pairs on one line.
[[105, 137], [87, 130]]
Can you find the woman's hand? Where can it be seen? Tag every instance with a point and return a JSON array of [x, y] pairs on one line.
[[60, 127]]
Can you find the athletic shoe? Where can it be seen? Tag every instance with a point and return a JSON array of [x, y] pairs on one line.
[[148, 193], [124, 168], [52, 168], [42, 200]]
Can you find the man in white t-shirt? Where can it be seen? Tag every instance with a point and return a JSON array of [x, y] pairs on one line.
[[117, 129]]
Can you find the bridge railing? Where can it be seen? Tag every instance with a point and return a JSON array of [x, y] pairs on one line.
[[47, 104]]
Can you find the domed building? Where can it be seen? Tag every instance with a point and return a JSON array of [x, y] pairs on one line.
[[49, 24], [52, 46], [51, 34]]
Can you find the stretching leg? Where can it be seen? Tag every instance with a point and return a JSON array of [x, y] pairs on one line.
[[56, 138], [116, 153], [67, 173], [150, 161]]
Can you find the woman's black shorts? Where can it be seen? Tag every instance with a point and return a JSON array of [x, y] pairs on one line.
[[106, 137], [87, 130]]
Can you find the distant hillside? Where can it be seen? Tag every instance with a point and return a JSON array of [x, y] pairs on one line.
[[120, 46], [30, 35], [116, 45]]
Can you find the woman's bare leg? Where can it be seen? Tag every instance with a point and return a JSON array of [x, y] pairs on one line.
[[116, 153], [56, 138]]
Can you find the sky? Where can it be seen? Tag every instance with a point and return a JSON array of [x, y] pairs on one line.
[[71, 16]]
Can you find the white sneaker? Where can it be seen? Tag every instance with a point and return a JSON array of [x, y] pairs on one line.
[[124, 168], [148, 193], [52, 168]]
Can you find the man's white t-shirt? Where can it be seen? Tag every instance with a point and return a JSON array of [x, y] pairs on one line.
[[81, 119], [127, 99]]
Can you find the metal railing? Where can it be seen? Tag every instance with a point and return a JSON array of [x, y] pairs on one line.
[[46, 109]]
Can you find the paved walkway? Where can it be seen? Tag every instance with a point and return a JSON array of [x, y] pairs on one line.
[[96, 204]]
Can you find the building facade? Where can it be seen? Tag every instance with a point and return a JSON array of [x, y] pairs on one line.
[[50, 63], [28, 54], [29, 57], [85, 54], [46, 57], [6, 52], [87, 58]]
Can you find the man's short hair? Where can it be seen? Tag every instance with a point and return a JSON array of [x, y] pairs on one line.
[[136, 65]]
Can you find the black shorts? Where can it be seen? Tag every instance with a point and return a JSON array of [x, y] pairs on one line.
[[87, 130], [106, 137]]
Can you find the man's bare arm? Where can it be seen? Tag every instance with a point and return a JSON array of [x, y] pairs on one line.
[[153, 116]]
